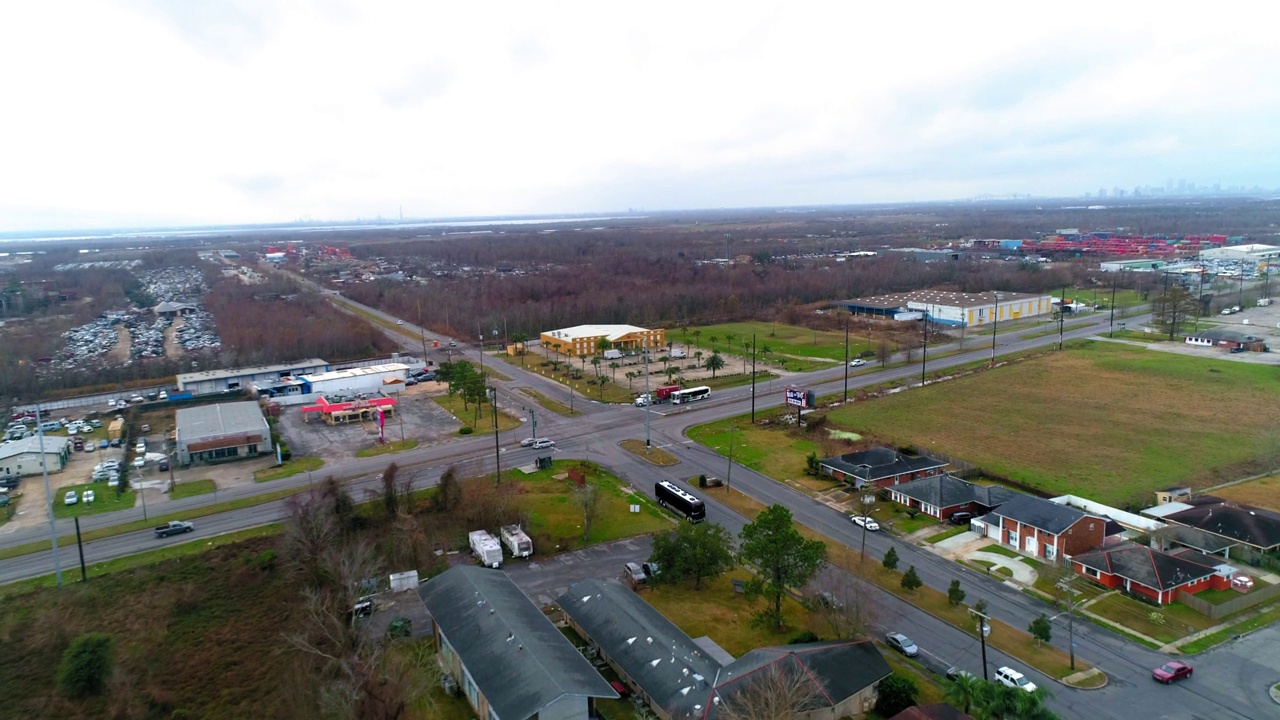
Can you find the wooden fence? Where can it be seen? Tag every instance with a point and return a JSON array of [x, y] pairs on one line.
[[1246, 600]]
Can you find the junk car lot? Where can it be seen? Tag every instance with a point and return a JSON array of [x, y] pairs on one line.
[[417, 417]]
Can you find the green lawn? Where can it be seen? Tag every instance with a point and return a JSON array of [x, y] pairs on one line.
[[723, 615], [1172, 622], [1107, 421], [1000, 550], [777, 454], [481, 421], [105, 500], [188, 488], [945, 534], [392, 447], [553, 512], [1250, 624], [290, 468]]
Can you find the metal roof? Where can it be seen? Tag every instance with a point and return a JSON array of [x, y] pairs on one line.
[[222, 419], [53, 444], [609, 332], [282, 368], [517, 658]]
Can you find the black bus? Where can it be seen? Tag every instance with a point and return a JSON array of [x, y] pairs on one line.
[[683, 502]]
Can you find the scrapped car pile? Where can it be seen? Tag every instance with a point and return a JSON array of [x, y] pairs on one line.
[[198, 332], [88, 341], [175, 284]]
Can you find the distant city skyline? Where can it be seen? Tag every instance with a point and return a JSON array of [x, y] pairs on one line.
[[143, 113]]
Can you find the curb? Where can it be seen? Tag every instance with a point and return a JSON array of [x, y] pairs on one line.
[[1091, 672]]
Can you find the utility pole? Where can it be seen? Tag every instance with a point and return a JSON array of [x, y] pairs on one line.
[[924, 355], [728, 475], [846, 359], [84, 576], [648, 397], [1062, 317], [995, 322], [983, 629], [48, 494], [753, 379], [497, 449], [1112, 331]]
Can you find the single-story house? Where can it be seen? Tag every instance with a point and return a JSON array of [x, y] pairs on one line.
[[941, 496], [1227, 338], [169, 308], [881, 467], [1249, 526], [509, 660], [1150, 573], [1044, 529], [21, 458], [682, 679]]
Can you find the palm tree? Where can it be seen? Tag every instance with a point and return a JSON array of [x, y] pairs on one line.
[[728, 339], [631, 376], [698, 357], [963, 692], [601, 380], [697, 336], [614, 367], [670, 344], [595, 363], [714, 363], [712, 339], [520, 339], [664, 360]]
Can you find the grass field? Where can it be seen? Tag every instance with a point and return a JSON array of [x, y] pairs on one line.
[[783, 340], [188, 488], [1107, 421], [1168, 624], [1264, 492], [105, 500], [724, 615], [481, 421], [290, 468], [394, 446], [554, 513]]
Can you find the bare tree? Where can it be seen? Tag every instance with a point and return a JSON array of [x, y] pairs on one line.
[[845, 604], [587, 498], [781, 692]]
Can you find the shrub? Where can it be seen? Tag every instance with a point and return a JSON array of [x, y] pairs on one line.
[[897, 693], [955, 595], [465, 430], [808, 636], [86, 665]]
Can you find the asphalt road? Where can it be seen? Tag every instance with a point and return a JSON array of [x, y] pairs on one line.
[[1230, 682]]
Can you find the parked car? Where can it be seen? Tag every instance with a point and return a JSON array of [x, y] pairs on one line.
[[115, 442], [410, 382], [140, 447], [1239, 349], [902, 644], [634, 575], [960, 518], [1014, 679], [90, 447], [95, 423], [135, 399], [70, 498], [857, 362], [865, 521], [89, 496], [139, 461], [104, 444], [164, 465], [543, 443], [163, 395], [955, 673], [399, 322], [1170, 671]]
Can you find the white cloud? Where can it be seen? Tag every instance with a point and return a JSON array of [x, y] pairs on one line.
[[155, 110]]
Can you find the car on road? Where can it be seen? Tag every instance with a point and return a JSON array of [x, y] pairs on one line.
[[453, 343], [865, 521], [528, 442], [71, 498], [857, 362], [1170, 671], [399, 322], [1009, 677], [902, 644], [89, 496], [543, 443], [174, 527]]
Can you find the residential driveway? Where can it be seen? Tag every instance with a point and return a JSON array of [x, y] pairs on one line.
[[545, 578], [960, 545], [1022, 572]]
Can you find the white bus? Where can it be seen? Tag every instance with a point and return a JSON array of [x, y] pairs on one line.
[[702, 392]]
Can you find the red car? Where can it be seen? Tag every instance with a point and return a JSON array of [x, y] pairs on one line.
[[1170, 671]]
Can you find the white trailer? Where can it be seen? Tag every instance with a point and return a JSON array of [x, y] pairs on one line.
[[517, 542], [486, 548]]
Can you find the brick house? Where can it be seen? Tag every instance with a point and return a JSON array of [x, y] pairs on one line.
[[1044, 529], [1157, 576], [941, 496], [881, 467]]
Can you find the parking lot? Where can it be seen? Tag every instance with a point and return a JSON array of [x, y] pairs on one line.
[[418, 418]]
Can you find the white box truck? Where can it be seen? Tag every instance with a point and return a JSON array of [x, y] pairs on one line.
[[517, 542], [486, 548], [612, 354]]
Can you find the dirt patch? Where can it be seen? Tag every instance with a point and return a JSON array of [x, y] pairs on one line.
[[171, 347], [120, 353]]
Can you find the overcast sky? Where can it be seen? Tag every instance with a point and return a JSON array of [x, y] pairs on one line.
[[146, 112]]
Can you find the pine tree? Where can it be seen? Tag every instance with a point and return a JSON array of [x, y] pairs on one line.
[[955, 595], [890, 561], [910, 580]]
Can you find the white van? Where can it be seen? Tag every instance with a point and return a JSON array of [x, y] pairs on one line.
[[612, 354], [679, 354]]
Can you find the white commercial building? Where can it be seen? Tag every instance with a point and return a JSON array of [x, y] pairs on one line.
[[22, 457], [1253, 253], [388, 378], [954, 308], [214, 381]]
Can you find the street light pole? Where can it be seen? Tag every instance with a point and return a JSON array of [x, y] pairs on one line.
[[924, 355], [648, 397], [753, 379], [846, 359], [497, 449], [983, 629], [48, 494]]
